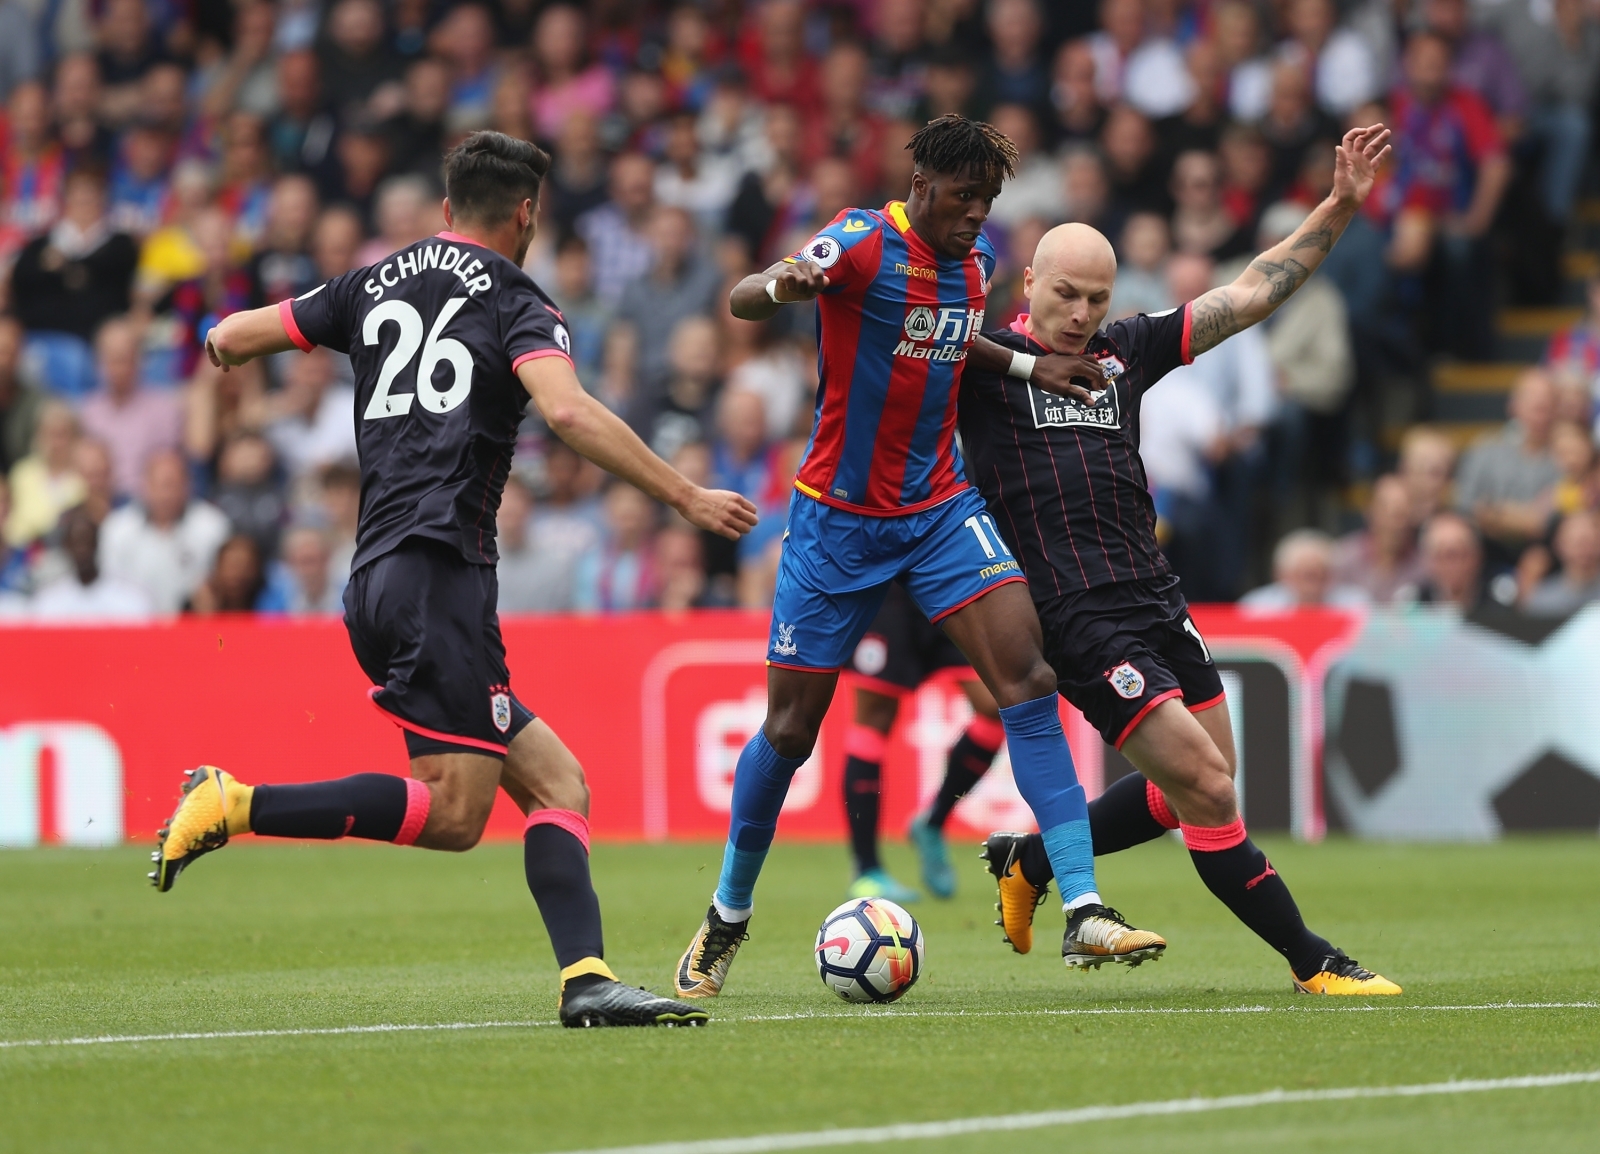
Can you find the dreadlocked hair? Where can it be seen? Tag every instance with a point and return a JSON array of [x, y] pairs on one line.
[[953, 144]]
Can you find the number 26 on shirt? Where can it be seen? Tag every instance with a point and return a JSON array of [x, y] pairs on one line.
[[434, 350]]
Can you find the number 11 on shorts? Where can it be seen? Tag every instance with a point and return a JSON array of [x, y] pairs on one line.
[[983, 538]]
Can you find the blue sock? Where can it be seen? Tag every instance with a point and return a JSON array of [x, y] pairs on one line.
[[760, 783], [1041, 765]]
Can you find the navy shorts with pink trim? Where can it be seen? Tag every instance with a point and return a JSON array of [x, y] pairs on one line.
[[837, 566], [1120, 650], [423, 625]]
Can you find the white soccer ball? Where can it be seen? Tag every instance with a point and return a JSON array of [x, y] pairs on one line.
[[869, 950]]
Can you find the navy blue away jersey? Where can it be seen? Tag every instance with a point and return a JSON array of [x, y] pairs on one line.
[[435, 334], [1064, 479]]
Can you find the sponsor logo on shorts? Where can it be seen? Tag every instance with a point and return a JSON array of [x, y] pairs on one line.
[[1127, 681], [872, 655], [500, 708], [998, 568], [785, 646]]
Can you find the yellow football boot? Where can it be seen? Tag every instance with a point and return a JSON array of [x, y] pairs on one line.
[[1019, 897], [704, 965], [214, 808], [1098, 934], [1342, 976]]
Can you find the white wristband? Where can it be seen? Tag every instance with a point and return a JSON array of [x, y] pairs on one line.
[[1021, 366], [772, 291]]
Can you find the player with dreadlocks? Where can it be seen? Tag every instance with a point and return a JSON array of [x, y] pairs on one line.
[[881, 496]]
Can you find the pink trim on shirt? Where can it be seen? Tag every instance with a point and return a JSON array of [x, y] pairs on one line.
[[457, 238], [1188, 326], [286, 315], [536, 354]]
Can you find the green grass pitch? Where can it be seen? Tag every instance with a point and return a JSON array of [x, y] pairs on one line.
[[294, 937]]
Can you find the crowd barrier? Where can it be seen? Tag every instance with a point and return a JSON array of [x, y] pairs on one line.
[[96, 724]]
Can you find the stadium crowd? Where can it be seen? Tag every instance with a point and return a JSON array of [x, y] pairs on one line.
[[166, 162]]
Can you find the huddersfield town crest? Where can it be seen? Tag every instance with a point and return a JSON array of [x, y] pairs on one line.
[[1127, 681], [500, 709]]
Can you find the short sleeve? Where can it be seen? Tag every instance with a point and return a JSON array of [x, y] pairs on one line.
[[532, 327], [847, 250], [322, 316], [1158, 342]]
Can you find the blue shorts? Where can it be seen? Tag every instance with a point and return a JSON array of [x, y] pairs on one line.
[[837, 566]]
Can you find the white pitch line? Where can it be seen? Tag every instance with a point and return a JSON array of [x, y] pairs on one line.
[[924, 1131], [830, 1015]]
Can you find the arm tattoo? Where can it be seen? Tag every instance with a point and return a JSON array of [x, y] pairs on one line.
[[1211, 321], [1320, 239], [1283, 277]]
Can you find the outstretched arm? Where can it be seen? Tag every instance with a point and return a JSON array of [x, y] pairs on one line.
[[601, 436], [751, 300], [1273, 276], [241, 337]]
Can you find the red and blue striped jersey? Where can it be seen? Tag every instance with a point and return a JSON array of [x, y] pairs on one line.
[[893, 329]]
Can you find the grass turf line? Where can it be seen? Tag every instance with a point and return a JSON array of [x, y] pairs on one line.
[[278, 937]]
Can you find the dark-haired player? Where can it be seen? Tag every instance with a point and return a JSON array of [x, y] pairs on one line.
[[448, 339], [898, 653], [1061, 473], [880, 496]]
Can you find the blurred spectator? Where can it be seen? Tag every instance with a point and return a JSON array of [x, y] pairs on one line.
[[775, 370], [91, 460], [1427, 464], [237, 580], [1576, 348], [1381, 558], [75, 95], [44, 483], [1133, 166], [948, 84], [1246, 173], [587, 319], [282, 266], [678, 413], [568, 82], [1015, 71], [1074, 100], [404, 214], [1182, 431], [361, 158], [774, 58], [192, 306], [577, 179], [417, 132], [1345, 74], [1201, 225], [172, 253], [768, 202], [244, 77], [567, 520], [1036, 189], [1577, 548], [19, 399], [1239, 40], [616, 232], [77, 274], [1141, 285], [86, 595], [15, 579], [301, 132], [1573, 449], [335, 241], [1450, 168], [355, 59], [20, 54], [305, 578], [139, 181], [620, 574], [680, 569], [164, 543], [1480, 60], [1452, 564], [1291, 124], [534, 578], [134, 421], [680, 283], [339, 494], [1086, 188], [129, 48], [1557, 50], [1302, 577], [1503, 476], [33, 166], [313, 418], [692, 181], [1121, 33], [248, 492], [465, 40]]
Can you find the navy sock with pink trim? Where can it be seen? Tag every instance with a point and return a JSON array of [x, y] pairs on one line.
[[377, 806], [1243, 879], [1122, 816], [556, 857], [969, 759]]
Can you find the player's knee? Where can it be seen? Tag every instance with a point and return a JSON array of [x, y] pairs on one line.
[[1035, 681], [790, 734], [1212, 799]]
